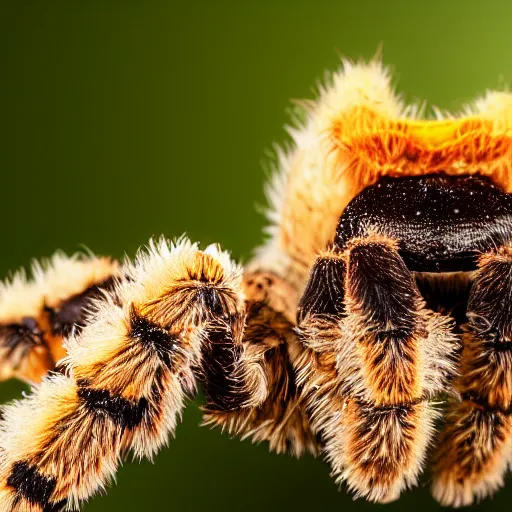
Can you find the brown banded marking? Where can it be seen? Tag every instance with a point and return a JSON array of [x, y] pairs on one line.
[[153, 337], [31, 485], [128, 413], [123, 412], [72, 312]]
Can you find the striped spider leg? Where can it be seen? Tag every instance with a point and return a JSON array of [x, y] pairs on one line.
[[174, 317], [476, 444], [128, 373]]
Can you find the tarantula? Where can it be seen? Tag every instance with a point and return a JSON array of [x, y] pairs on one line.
[[382, 297]]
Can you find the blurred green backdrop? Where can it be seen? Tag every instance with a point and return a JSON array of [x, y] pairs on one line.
[[123, 120]]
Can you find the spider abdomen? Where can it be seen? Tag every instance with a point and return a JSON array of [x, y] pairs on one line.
[[442, 223]]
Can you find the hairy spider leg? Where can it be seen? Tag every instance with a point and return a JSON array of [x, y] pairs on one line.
[[392, 355], [128, 374], [475, 448], [37, 314], [278, 416]]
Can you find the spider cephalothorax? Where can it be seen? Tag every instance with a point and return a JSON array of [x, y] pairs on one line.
[[380, 304]]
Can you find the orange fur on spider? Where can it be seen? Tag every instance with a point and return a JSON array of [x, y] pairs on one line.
[[373, 146]]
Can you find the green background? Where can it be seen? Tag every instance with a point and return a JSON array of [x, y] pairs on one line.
[[124, 120]]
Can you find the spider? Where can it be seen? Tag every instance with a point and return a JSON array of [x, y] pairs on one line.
[[372, 327]]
